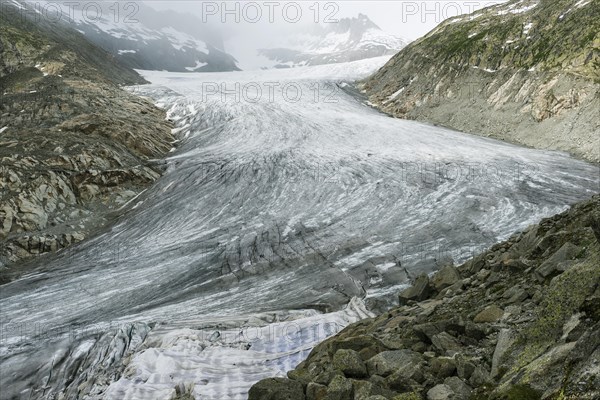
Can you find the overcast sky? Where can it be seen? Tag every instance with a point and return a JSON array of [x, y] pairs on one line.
[[408, 19]]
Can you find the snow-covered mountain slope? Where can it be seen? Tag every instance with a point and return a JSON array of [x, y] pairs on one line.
[[141, 37], [349, 39]]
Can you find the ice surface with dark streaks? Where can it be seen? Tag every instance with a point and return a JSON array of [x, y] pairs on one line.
[[280, 211]]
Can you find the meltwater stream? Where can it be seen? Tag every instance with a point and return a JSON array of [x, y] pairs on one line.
[[287, 206]]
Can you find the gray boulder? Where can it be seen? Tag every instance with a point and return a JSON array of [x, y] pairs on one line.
[[420, 290], [350, 363], [444, 342], [385, 363], [315, 391], [506, 338], [440, 392], [445, 277], [339, 388], [276, 389], [461, 390], [558, 262]]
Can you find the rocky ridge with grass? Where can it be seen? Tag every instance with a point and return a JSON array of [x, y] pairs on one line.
[[525, 71], [520, 321], [75, 147]]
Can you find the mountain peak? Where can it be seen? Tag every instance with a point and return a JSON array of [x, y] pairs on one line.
[[350, 39], [356, 25]]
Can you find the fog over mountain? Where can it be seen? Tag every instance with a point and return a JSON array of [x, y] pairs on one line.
[[350, 39], [141, 37], [148, 36], [200, 36]]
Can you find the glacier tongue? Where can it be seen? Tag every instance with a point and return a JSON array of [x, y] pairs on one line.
[[275, 211], [223, 358]]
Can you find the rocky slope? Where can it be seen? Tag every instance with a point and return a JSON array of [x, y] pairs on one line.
[[74, 146], [520, 322], [526, 71]]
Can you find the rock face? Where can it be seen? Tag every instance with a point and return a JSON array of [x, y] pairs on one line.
[[74, 146], [525, 71], [508, 334]]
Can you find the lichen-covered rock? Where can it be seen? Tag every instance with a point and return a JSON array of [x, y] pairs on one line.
[[464, 367], [408, 396], [491, 313], [385, 363], [359, 343], [339, 388], [445, 342], [479, 377], [277, 389], [409, 376], [461, 390], [558, 262], [350, 363], [315, 391], [445, 277], [440, 392], [506, 338]]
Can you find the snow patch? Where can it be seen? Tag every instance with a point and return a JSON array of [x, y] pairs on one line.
[[179, 40], [513, 10], [582, 3], [579, 4], [199, 64], [394, 95], [484, 69]]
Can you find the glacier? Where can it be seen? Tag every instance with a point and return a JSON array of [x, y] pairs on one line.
[[289, 209]]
